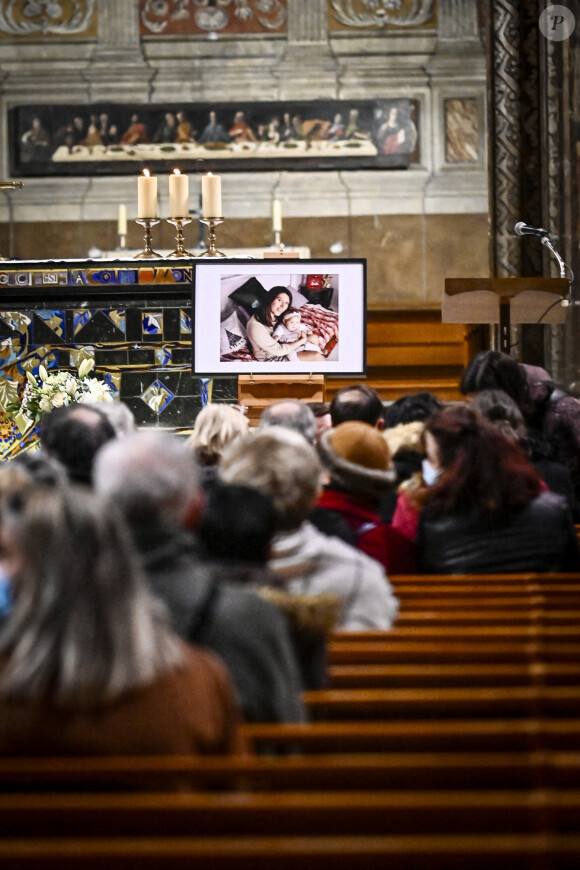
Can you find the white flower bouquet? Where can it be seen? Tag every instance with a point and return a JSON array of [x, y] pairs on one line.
[[55, 390]]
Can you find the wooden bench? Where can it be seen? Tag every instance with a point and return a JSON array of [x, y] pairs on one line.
[[406, 735], [450, 703], [437, 852], [439, 652], [291, 814], [533, 616], [425, 675], [331, 771]]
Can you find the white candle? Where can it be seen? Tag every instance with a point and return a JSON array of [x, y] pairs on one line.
[[277, 216], [211, 195], [122, 220], [147, 195], [178, 195]]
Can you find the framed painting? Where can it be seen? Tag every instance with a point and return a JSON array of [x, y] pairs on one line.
[[279, 317], [112, 139]]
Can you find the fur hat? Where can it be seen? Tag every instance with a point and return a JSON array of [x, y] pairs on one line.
[[357, 457], [405, 436]]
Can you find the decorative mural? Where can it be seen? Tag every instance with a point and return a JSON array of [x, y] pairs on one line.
[[60, 18], [379, 14], [462, 139], [307, 135], [211, 18]]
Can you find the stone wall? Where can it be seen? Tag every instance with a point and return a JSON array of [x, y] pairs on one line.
[[415, 226]]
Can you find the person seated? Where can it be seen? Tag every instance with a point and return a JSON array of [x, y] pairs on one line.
[[357, 402], [502, 411], [404, 424], [358, 461], [282, 465], [321, 411], [289, 329], [73, 434], [88, 663], [151, 477], [488, 510], [215, 426], [548, 410], [292, 414], [236, 529]]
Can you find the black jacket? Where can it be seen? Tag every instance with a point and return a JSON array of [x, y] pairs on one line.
[[539, 538]]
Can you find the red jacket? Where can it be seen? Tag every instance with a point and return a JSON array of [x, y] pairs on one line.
[[374, 537]]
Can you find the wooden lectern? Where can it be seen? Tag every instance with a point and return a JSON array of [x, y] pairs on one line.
[[504, 301]]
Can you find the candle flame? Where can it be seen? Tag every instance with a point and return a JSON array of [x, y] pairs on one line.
[[177, 172], [145, 172]]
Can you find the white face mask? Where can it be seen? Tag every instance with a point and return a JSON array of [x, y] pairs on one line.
[[430, 473]]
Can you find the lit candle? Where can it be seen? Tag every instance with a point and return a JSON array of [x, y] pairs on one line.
[[277, 216], [147, 195], [178, 194], [122, 220], [211, 195]]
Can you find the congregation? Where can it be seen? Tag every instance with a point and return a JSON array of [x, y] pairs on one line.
[[159, 590]]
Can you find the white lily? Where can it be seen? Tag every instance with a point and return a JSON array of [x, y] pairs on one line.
[[42, 372], [86, 366]]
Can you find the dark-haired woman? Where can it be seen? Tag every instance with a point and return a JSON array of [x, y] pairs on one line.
[[548, 411], [488, 510], [261, 325]]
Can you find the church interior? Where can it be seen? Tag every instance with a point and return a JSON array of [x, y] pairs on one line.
[[409, 168]]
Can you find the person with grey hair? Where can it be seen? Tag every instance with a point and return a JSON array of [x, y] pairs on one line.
[[291, 414], [153, 478], [88, 662], [282, 465]]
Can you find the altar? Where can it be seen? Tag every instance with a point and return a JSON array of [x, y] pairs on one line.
[[133, 317]]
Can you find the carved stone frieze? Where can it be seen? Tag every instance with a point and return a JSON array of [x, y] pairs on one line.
[[55, 17], [378, 13], [195, 16]]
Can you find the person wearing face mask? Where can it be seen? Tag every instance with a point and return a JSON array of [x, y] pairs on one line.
[[487, 509]]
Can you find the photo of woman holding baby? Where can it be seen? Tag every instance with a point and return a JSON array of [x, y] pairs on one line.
[[267, 338]]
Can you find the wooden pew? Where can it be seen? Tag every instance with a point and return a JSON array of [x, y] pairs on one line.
[[332, 771], [424, 675], [534, 616], [291, 814], [416, 735], [450, 703], [383, 651], [437, 852]]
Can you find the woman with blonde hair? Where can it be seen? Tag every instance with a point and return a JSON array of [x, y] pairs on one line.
[[216, 426]]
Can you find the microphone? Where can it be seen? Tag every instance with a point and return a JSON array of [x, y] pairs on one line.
[[522, 229]]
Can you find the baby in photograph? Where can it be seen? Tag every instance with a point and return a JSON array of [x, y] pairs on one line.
[[290, 329]]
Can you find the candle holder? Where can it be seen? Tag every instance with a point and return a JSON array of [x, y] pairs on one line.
[[179, 223], [211, 224], [147, 253]]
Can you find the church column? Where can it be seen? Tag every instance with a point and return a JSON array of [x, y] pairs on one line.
[[308, 57], [119, 71]]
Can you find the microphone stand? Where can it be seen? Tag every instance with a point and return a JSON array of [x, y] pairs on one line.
[[565, 303], [547, 242]]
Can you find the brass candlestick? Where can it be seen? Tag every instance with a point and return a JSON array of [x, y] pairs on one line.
[[147, 253], [179, 223], [211, 224]]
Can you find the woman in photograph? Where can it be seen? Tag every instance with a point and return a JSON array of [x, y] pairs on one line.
[[262, 324]]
